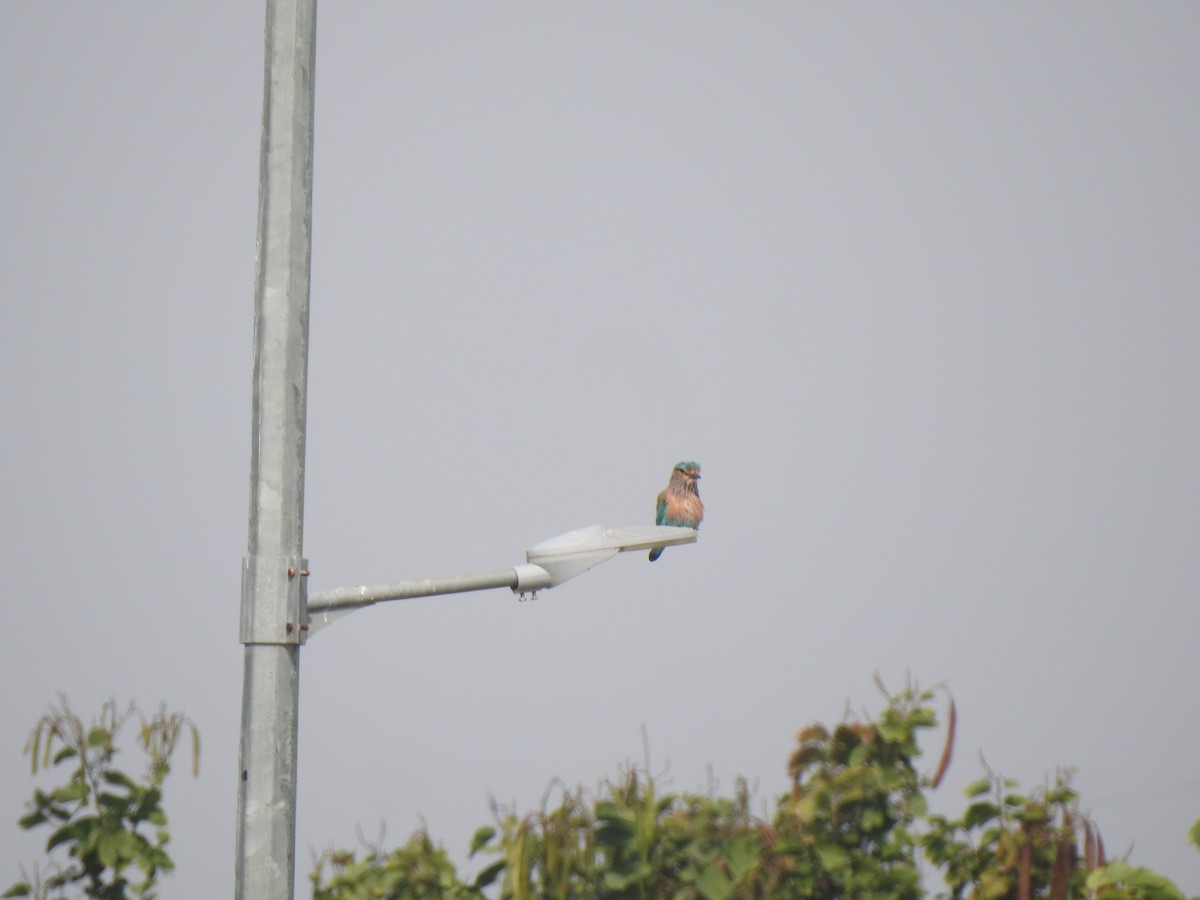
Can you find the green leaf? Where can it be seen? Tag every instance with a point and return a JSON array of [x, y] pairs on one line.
[[113, 802], [744, 855], [69, 793], [76, 831], [488, 875], [1194, 834], [195, 751], [714, 884], [993, 885], [978, 813], [618, 881], [616, 825], [117, 848], [20, 889], [64, 753], [127, 845], [114, 776], [481, 837], [976, 788], [1061, 796], [1033, 814], [923, 717], [808, 807], [1151, 884], [98, 737], [916, 805], [832, 856], [858, 755], [32, 820]]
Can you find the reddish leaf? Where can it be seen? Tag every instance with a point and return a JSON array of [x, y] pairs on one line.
[[948, 749], [1064, 865], [1089, 845]]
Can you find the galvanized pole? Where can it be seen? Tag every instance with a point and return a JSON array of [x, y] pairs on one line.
[[273, 594]]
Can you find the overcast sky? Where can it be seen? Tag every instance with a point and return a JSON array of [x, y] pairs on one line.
[[918, 286]]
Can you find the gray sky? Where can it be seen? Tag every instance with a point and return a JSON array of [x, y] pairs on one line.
[[918, 285]]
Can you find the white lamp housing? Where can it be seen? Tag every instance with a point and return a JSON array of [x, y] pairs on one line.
[[561, 558]]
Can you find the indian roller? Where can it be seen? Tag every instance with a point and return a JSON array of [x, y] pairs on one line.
[[679, 504]]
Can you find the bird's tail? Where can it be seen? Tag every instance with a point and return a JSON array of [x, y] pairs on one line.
[[656, 553]]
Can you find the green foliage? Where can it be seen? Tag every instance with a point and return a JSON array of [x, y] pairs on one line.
[[854, 825], [418, 870], [628, 843], [1121, 881], [848, 829], [1008, 844], [111, 827]]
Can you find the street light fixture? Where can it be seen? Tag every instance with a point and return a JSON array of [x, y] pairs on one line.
[[547, 565]]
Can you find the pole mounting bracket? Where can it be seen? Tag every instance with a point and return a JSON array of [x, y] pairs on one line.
[[274, 623]]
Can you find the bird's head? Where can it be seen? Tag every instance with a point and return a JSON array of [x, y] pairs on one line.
[[688, 469]]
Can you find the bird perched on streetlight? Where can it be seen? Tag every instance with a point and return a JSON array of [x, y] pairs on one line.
[[679, 504]]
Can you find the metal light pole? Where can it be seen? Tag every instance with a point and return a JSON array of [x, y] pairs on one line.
[[273, 596], [275, 619]]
